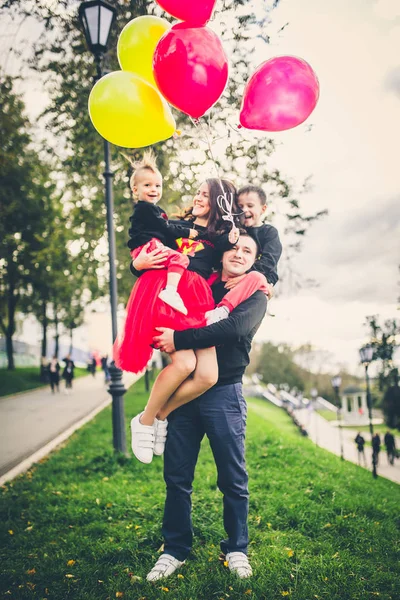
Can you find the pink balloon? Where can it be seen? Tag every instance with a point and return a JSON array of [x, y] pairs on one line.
[[190, 68], [280, 95], [195, 12]]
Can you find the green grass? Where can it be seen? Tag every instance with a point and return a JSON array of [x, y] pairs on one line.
[[23, 379], [86, 524], [328, 415]]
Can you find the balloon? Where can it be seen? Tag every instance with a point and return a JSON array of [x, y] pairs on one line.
[[190, 68], [195, 12], [280, 95], [127, 111], [137, 43]]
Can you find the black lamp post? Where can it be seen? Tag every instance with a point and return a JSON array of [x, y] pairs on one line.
[[97, 17], [366, 356], [336, 383], [314, 396]]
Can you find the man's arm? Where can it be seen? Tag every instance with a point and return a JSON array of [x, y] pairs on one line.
[[240, 323]]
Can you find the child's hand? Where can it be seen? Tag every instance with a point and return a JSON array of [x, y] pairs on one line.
[[193, 234], [231, 283], [270, 291], [233, 235]]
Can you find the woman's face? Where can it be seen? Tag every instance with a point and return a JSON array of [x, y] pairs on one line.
[[201, 202]]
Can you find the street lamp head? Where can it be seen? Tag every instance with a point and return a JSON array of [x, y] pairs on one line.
[[97, 17], [336, 382], [314, 393], [366, 354]]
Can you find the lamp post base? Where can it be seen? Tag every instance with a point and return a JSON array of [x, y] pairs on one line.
[[117, 392]]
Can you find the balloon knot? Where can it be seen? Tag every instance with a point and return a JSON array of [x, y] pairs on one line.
[[239, 126]]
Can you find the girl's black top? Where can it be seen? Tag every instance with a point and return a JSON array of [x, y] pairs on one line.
[[150, 221]]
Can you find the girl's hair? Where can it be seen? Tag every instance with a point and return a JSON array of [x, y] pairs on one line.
[[148, 163], [216, 224], [247, 189]]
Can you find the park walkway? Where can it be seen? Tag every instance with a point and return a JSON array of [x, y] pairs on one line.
[[326, 435], [30, 421]]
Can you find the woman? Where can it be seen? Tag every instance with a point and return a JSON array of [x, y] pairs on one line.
[[54, 374]]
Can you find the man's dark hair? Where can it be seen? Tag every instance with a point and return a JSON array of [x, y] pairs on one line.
[[247, 189], [247, 233]]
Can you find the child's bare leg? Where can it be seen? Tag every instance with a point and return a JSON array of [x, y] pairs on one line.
[[204, 377], [173, 279], [170, 378]]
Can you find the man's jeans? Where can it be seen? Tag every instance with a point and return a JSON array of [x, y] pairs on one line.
[[220, 413]]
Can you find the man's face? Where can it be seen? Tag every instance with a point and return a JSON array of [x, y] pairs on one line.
[[240, 259]]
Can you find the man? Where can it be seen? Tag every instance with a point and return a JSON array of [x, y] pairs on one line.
[[360, 441], [220, 413], [390, 444]]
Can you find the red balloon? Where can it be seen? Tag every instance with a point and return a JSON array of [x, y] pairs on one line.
[[195, 12], [280, 95], [190, 68]]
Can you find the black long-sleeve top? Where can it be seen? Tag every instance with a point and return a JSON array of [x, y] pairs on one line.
[[271, 250], [204, 252], [150, 221], [232, 336]]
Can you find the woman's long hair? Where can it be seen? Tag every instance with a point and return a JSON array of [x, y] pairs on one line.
[[216, 224]]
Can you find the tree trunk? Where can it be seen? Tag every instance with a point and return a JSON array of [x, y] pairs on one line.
[[10, 352], [43, 373], [57, 336], [71, 333]]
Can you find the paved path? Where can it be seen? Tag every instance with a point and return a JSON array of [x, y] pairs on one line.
[[30, 421], [323, 433]]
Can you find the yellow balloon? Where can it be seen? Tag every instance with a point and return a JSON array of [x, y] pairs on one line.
[[127, 111], [137, 43]]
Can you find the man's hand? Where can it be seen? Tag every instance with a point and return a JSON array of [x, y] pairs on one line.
[[152, 260], [270, 291], [165, 341], [231, 283]]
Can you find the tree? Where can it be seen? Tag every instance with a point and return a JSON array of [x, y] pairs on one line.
[[22, 208], [276, 365], [383, 338]]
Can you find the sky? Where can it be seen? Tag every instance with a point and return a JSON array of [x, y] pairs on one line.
[[352, 153]]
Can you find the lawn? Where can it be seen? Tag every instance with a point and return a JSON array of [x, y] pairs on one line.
[[328, 415], [23, 379], [85, 524]]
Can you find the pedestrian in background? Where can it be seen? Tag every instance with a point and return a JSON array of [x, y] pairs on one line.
[[376, 447], [390, 447], [104, 366], [68, 373], [54, 374], [360, 447]]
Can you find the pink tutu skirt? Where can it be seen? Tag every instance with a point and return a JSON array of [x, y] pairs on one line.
[[145, 311]]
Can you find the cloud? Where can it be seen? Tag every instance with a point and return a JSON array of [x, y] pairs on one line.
[[392, 82]]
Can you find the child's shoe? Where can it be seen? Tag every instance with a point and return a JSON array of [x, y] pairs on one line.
[[171, 297], [217, 314], [142, 440]]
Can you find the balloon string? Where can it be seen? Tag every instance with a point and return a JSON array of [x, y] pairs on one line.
[[224, 200]]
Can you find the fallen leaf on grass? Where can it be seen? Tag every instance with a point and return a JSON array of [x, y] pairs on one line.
[[180, 576], [290, 553], [30, 585], [69, 575], [285, 593], [71, 563], [335, 555], [29, 528], [248, 592], [31, 571], [165, 589], [10, 531], [97, 501], [119, 594], [225, 563]]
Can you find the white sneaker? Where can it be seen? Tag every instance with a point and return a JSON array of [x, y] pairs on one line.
[[160, 436], [217, 314], [173, 299], [239, 563], [142, 440], [164, 567]]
